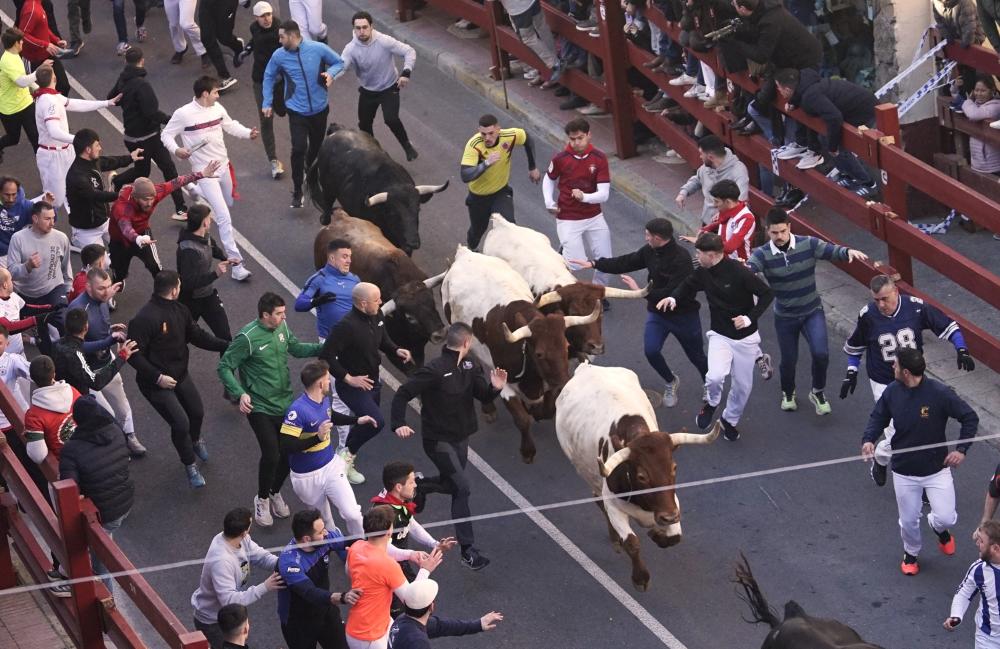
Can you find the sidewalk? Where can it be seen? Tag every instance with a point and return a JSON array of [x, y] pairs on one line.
[[27, 622], [653, 186]]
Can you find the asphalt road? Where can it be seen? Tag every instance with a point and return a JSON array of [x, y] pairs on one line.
[[826, 537]]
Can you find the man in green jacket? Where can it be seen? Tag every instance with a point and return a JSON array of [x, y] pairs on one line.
[[260, 352]]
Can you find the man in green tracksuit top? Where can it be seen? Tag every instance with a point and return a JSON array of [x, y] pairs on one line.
[[260, 352]]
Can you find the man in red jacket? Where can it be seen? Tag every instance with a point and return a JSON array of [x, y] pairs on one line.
[[130, 233], [41, 43]]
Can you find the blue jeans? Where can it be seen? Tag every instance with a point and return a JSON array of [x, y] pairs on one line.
[[99, 567], [847, 163], [686, 327], [791, 126], [813, 328], [361, 403], [118, 11]]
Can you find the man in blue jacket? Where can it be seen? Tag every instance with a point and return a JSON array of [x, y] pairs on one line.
[[15, 212], [308, 68], [328, 290], [416, 626]]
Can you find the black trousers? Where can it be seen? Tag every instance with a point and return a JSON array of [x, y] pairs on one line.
[[183, 411], [307, 133], [152, 151], [368, 104], [55, 298], [15, 123], [122, 255], [450, 458], [272, 470], [327, 631], [217, 19], [211, 310], [481, 207]]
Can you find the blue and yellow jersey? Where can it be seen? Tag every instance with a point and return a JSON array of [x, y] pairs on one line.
[[302, 421]]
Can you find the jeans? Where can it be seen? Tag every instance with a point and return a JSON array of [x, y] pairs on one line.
[[791, 126], [307, 133], [118, 10], [99, 567], [266, 123], [686, 327], [813, 328], [481, 207], [450, 458], [848, 164], [369, 102], [183, 411], [361, 403], [152, 151]]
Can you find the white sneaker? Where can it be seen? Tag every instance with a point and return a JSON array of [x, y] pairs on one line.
[[670, 392], [463, 24], [790, 152], [277, 169], [278, 506], [694, 91], [671, 157], [683, 80], [240, 273], [531, 74], [809, 160], [995, 124], [704, 96], [226, 84], [262, 512], [353, 475], [179, 215]]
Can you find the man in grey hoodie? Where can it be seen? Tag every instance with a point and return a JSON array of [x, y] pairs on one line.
[[225, 571], [372, 55], [718, 163]]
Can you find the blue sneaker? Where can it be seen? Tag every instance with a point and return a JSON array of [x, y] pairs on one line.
[[201, 450], [194, 476]]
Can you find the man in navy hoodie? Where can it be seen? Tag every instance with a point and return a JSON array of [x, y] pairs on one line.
[[416, 626]]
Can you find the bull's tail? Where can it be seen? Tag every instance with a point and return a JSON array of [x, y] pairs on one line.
[[760, 610]]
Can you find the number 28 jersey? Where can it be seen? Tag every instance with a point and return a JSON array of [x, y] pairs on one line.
[[881, 336]]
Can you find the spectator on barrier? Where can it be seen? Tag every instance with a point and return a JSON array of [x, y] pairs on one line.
[[734, 221], [836, 102], [700, 18], [989, 13], [958, 21], [983, 105], [528, 21], [637, 30], [235, 625], [717, 163]]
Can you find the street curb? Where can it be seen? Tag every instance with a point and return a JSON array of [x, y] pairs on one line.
[[636, 188]]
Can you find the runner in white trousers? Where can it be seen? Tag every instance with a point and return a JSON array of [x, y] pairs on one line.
[[183, 28], [309, 15]]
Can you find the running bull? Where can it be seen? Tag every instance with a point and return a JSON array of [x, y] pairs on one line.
[[354, 169], [513, 334], [411, 316], [608, 430]]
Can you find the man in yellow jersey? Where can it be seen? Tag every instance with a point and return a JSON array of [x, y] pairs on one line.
[[17, 108], [486, 169]]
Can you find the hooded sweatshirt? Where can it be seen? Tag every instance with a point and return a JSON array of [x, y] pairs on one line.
[[97, 458], [374, 63], [705, 178], [224, 577], [141, 112], [48, 422]]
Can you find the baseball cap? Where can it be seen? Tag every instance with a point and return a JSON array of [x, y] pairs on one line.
[[420, 594], [262, 8]]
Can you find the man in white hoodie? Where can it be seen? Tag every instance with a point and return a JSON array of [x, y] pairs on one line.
[[225, 571], [201, 125], [55, 142]]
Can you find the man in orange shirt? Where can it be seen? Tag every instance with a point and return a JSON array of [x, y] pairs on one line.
[[377, 575]]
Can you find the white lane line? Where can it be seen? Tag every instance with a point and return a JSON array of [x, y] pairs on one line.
[[600, 576]]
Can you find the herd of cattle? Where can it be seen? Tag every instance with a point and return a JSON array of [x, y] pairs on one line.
[[531, 317]]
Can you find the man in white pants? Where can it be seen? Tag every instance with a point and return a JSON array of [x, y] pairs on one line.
[[184, 29], [737, 298], [318, 473], [584, 185], [309, 15], [921, 408], [982, 577], [201, 125], [55, 143]]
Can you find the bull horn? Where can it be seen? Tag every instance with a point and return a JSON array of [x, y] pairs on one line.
[[518, 335], [388, 307], [695, 438], [576, 320], [549, 298], [432, 189], [611, 291], [431, 282], [612, 463], [375, 199]]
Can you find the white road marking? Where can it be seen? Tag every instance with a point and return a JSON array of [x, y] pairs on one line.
[[600, 576]]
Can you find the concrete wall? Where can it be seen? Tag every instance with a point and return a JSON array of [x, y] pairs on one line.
[[898, 26]]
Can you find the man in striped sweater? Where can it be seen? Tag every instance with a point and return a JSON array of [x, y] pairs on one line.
[[789, 265]]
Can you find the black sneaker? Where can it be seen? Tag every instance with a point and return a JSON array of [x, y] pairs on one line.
[[473, 560], [60, 590], [790, 198], [764, 366], [561, 91], [206, 62], [704, 418], [729, 431], [573, 102], [296, 201], [411, 153], [879, 473], [178, 56]]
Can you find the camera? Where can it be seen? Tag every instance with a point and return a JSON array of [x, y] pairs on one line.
[[724, 31]]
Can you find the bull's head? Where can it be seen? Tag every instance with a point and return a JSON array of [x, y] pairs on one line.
[[400, 213], [414, 303], [647, 462], [548, 347], [581, 299]]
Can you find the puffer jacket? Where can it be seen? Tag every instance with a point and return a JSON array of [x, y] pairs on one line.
[[700, 18], [97, 458], [989, 12], [958, 20], [985, 157], [774, 37]]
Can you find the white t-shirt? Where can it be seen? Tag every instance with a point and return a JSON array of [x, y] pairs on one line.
[[13, 367]]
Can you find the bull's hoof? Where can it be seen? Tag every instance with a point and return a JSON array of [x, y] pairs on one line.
[[528, 458], [662, 540], [616, 545], [641, 582]]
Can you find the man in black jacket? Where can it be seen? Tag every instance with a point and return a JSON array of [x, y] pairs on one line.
[[263, 42], [737, 298], [96, 457], [71, 364], [162, 330], [448, 387], [351, 351], [668, 264], [86, 194], [415, 628], [143, 119], [196, 255]]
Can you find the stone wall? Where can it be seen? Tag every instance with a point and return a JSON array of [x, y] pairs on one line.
[[898, 26]]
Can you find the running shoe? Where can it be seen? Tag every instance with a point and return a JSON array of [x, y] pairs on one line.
[[135, 447], [683, 80], [277, 169], [670, 392], [240, 273], [704, 418], [909, 566], [729, 431], [201, 450], [180, 215], [60, 590], [790, 152], [122, 48], [194, 476], [946, 542], [141, 34], [879, 473], [764, 366], [262, 512], [353, 475], [809, 160], [278, 507], [818, 399], [473, 560], [788, 403], [296, 201], [228, 83]]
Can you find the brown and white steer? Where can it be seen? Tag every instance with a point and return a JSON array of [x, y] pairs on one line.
[[607, 428], [411, 316], [511, 334], [530, 253]]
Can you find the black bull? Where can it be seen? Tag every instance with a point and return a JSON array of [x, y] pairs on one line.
[[352, 168]]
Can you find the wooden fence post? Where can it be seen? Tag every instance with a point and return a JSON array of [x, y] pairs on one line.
[[72, 526], [7, 503], [611, 23], [894, 190]]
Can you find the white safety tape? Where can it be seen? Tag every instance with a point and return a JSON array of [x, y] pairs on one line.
[[928, 87], [909, 70], [774, 161]]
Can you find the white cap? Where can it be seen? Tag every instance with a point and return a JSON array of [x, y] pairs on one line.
[[262, 8], [420, 594]]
